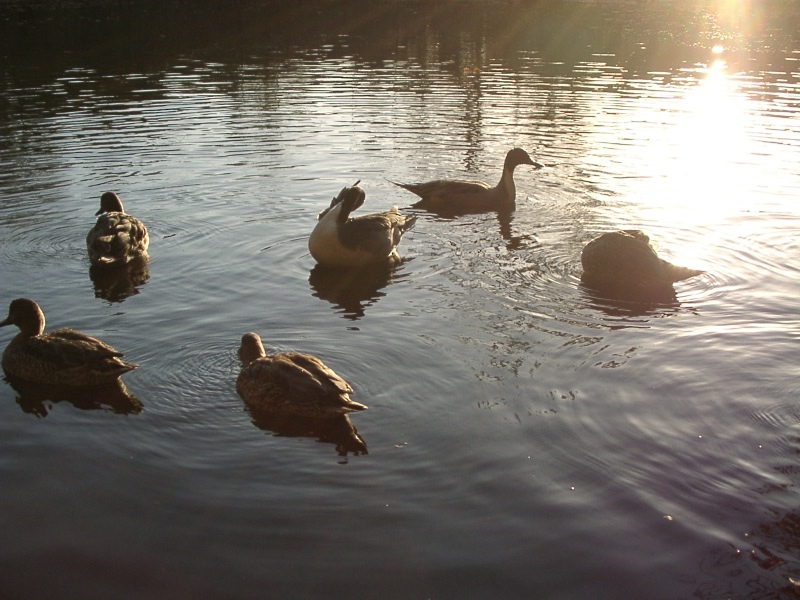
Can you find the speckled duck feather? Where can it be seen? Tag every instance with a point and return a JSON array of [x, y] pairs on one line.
[[116, 238]]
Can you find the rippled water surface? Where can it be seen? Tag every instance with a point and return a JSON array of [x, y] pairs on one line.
[[526, 438]]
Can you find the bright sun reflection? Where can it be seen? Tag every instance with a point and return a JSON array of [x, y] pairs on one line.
[[712, 142], [710, 158], [687, 150], [694, 143]]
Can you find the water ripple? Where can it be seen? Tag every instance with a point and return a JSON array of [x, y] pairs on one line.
[[502, 392]]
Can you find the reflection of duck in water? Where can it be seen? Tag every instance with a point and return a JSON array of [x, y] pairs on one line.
[[505, 218], [291, 383], [454, 197], [115, 285], [339, 241], [117, 237], [37, 398], [352, 290], [59, 357], [625, 261], [338, 430]]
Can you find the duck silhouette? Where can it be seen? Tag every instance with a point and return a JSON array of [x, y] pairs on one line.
[[454, 197], [625, 261]]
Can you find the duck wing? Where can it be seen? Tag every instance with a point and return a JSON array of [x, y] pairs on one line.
[[315, 375], [116, 238], [72, 357], [307, 381], [445, 187], [377, 233]]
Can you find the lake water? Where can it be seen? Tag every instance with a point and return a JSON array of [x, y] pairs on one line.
[[525, 438]]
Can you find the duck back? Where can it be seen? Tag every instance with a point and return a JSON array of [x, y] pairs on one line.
[[292, 383], [64, 357], [626, 258], [116, 239]]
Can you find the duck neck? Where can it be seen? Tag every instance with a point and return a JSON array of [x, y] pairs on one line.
[[506, 188], [110, 202], [345, 207], [32, 327], [250, 352]]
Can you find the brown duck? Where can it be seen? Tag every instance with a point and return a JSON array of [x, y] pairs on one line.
[[450, 196], [625, 258], [290, 383], [117, 238], [59, 357]]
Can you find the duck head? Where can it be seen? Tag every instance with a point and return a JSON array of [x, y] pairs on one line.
[[109, 202], [350, 199], [251, 348], [518, 156], [25, 314]]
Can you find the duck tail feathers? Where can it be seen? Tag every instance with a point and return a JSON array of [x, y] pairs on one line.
[[675, 273], [353, 406]]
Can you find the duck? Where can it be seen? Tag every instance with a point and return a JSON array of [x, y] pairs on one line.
[[59, 357], [625, 258], [341, 241], [117, 238], [446, 196], [291, 383]]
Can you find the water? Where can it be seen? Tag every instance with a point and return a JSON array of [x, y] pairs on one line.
[[525, 438]]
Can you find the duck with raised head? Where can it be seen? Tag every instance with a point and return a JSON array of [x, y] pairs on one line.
[[452, 196], [117, 238], [290, 383], [341, 241], [625, 258], [58, 357]]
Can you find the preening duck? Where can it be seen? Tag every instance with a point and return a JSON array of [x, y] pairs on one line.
[[59, 357], [117, 237], [340, 241], [625, 258], [290, 383], [446, 196]]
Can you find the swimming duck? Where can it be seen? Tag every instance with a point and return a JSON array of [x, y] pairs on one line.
[[341, 241], [59, 357], [461, 197], [117, 237], [291, 383], [625, 258]]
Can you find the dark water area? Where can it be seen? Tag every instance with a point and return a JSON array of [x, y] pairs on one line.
[[527, 436]]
